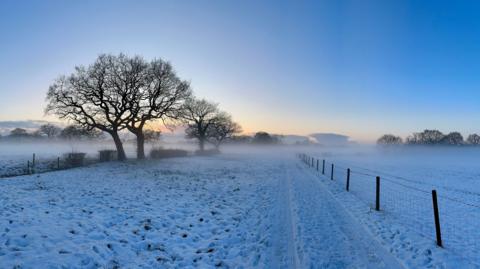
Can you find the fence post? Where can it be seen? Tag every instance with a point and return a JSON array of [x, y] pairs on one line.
[[323, 168], [348, 179], [437, 218], [58, 163], [313, 159], [317, 164], [33, 163], [377, 200], [331, 173]]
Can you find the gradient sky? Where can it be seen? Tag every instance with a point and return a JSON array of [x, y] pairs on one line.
[[361, 68]]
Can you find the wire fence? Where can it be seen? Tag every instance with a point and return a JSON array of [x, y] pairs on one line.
[[410, 203], [42, 164]]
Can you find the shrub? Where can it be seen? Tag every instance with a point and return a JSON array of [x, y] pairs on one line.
[[107, 155], [75, 159], [207, 152], [167, 153]]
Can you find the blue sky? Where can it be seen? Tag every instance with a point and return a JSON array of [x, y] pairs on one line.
[[361, 68]]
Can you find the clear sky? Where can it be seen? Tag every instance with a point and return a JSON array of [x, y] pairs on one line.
[[361, 68]]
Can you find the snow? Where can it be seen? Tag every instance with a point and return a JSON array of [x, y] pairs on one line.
[[14, 155], [177, 213], [242, 209], [408, 176]]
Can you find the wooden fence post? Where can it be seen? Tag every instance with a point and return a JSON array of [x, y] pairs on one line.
[[437, 218], [58, 163], [317, 164], [348, 179], [323, 167], [377, 192], [33, 163], [331, 173]]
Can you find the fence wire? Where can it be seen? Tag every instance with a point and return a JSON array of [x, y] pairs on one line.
[[39, 164], [409, 202]]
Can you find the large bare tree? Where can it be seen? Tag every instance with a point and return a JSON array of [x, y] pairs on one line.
[[96, 96], [199, 115], [222, 128], [160, 95], [50, 130]]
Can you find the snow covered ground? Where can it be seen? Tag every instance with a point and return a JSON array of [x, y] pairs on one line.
[[408, 176], [14, 156], [244, 209]]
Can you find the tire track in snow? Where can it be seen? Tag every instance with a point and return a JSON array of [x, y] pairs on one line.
[[325, 234], [285, 249], [293, 238]]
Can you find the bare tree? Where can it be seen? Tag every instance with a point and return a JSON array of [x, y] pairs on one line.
[[414, 139], [49, 130], [431, 137], [473, 139], [151, 136], [265, 138], [427, 137], [453, 138], [95, 97], [389, 139], [78, 132], [158, 95], [19, 132], [223, 128], [199, 115]]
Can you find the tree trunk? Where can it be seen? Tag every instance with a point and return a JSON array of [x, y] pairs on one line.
[[140, 145], [201, 143], [119, 146]]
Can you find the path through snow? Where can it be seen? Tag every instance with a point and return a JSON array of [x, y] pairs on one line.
[[322, 234]]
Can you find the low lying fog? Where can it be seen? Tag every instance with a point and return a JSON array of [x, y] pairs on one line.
[[438, 166]]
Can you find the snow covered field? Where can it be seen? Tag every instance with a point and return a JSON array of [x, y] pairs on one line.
[[243, 209], [176, 213], [408, 175], [15, 155]]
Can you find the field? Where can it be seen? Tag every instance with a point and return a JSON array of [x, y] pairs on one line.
[[408, 176], [246, 208], [14, 156]]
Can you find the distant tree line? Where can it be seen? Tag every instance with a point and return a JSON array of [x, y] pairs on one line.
[[259, 138], [430, 137], [53, 132]]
